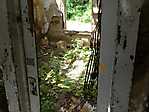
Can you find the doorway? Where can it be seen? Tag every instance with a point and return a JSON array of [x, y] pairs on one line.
[[79, 15], [66, 57]]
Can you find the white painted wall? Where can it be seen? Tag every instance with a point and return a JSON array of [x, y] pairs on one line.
[[30, 58], [120, 19], [107, 50], [18, 57], [6, 60]]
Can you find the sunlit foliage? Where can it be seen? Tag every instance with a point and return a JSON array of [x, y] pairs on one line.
[[79, 10]]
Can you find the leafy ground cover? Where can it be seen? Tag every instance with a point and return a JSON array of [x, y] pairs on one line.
[[59, 74]]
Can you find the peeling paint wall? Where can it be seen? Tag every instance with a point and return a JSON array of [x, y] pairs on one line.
[[6, 60], [30, 59], [120, 23], [125, 47], [17, 48]]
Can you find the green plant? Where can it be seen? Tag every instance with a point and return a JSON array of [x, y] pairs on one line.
[[54, 81], [79, 10]]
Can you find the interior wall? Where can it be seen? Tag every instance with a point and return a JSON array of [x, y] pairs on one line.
[[139, 99], [120, 22], [3, 99]]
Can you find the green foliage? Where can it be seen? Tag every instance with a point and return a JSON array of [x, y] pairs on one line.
[[53, 79], [78, 52], [79, 10]]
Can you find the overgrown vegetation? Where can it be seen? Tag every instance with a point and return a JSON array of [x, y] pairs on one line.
[[79, 10], [54, 78]]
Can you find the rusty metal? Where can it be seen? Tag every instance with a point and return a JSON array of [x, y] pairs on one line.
[[92, 71]]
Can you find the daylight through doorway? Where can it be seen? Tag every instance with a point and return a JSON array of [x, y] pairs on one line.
[[65, 56]]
